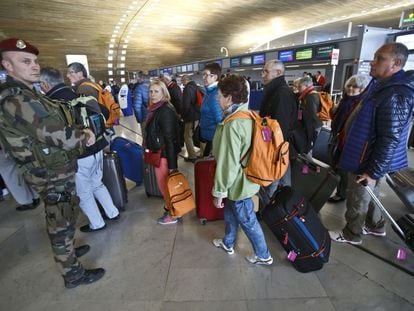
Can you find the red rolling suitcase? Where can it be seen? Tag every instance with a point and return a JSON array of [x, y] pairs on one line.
[[204, 171]]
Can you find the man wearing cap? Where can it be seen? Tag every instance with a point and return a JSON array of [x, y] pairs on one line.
[[45, 149]]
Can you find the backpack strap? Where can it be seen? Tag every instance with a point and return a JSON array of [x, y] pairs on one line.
[[249, 114], [92, 84]]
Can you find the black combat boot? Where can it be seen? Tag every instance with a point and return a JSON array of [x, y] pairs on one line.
[[26, 207], [82, 250], [89, 277]]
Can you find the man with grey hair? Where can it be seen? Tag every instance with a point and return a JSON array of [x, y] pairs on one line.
[[89, 175], [52, 84], [309, 101], [279, 102], [174, 90]]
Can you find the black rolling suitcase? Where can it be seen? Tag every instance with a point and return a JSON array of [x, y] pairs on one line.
[[299, 229], [150, 182], [404, 226], [113, 179], [314, 181], [402, 183]]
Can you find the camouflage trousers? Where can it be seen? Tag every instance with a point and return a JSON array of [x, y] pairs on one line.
[[60, 225]]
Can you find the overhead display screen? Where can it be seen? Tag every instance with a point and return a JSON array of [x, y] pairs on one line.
[[234, 62], [304, 54], [407, 40], [322, 52], [246, 60], [259, 59], [407, 18], [286, 56]]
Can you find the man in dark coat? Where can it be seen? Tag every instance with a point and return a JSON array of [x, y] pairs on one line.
[[190, 114], [279, 102]]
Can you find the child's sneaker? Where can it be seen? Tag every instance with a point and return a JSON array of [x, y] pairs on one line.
[[259, 261], [167, 219], [220, 243]]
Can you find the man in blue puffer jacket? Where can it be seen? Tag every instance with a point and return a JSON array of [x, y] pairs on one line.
[[374, 140]]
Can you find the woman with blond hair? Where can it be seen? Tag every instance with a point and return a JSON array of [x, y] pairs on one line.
[[162, 139]]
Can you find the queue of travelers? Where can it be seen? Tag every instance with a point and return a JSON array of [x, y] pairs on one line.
[[74, 178]]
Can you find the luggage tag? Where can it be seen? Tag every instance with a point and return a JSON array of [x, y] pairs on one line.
[[266, 134], [291, 256], [305, 169], [401, 254]]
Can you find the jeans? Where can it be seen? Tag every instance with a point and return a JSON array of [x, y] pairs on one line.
[[265, 193], [242, 213]]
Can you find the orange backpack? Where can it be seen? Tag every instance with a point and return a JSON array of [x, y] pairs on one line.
[[269, 152], [326, 101], [106, 99], [180, 199]]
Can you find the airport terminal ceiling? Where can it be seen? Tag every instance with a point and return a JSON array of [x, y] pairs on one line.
[[144, 35]]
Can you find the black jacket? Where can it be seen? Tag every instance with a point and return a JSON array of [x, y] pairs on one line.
[[279, 102], [161, 132], [190, 110], [176, 96]]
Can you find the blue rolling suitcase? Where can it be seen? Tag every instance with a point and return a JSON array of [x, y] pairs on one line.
[[299, 230], [131, 155]]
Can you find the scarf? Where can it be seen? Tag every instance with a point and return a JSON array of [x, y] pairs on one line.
[[306, 92], [153, 107]]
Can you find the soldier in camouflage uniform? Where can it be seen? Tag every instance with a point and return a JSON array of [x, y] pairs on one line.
[[35, 134]]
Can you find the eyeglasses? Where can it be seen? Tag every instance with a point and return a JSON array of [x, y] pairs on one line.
[[208, 74]]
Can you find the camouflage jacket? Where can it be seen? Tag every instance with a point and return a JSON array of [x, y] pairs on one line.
[[36, 135]]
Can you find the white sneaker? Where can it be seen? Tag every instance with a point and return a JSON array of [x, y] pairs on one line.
[[219, 243], [338, 236], [374, 231], [259, 261]]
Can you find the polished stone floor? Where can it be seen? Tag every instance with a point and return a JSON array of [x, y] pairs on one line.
[[154, 267]]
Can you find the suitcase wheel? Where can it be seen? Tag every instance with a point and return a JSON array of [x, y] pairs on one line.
[[203, 221]]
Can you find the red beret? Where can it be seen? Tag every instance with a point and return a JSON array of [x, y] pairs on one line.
[[15, 44]]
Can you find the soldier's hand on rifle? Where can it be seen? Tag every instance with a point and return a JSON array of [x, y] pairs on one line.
[[91, 137]]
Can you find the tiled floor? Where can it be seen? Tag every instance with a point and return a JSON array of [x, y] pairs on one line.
[[153, 267]]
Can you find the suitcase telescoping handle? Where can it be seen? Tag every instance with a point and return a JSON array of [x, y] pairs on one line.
[[382, 208]]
